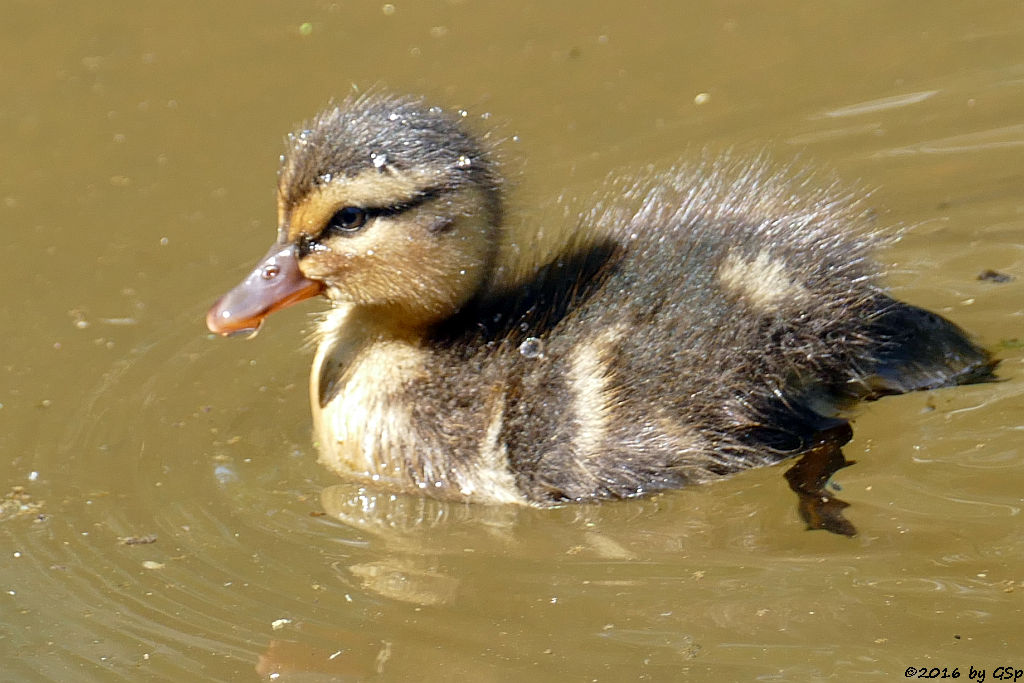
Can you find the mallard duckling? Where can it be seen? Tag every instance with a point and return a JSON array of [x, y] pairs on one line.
[[720, 324]]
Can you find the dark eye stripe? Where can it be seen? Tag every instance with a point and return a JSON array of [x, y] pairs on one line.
[[395, 209], [337, 224], [350, 218]]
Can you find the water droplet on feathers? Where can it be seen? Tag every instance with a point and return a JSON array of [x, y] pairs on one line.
[[531, 348]]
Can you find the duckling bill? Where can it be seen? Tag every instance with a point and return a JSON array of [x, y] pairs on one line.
[[728, 319]]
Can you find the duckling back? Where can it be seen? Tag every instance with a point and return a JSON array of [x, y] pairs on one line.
[[741, 319]]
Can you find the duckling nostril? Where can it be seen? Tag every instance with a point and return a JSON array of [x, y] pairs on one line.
[[275, 282]]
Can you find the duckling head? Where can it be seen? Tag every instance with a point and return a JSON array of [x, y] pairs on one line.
[[383, 204]]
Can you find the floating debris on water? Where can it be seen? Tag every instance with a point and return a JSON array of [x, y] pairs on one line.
[[18, 503], [137, 540], [989, 275]]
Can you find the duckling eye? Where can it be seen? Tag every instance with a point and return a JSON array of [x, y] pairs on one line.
[[347, 220]]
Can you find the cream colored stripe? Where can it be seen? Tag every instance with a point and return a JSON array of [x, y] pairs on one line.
[[763, 281]]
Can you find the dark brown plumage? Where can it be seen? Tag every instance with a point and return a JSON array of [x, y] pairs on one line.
[[725, 320]]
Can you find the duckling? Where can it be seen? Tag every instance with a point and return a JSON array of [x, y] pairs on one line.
[[728, 320]]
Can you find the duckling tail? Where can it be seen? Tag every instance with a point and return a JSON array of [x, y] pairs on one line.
[[919, 350]]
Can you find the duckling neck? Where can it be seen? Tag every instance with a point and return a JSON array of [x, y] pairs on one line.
[[345, 336]]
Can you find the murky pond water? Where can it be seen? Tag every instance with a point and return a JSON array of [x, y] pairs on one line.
[[165, 516]]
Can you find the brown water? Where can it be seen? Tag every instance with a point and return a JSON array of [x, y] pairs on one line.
[[139, 146]]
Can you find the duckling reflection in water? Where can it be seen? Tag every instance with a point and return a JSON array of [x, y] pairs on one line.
[[726, 321]]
